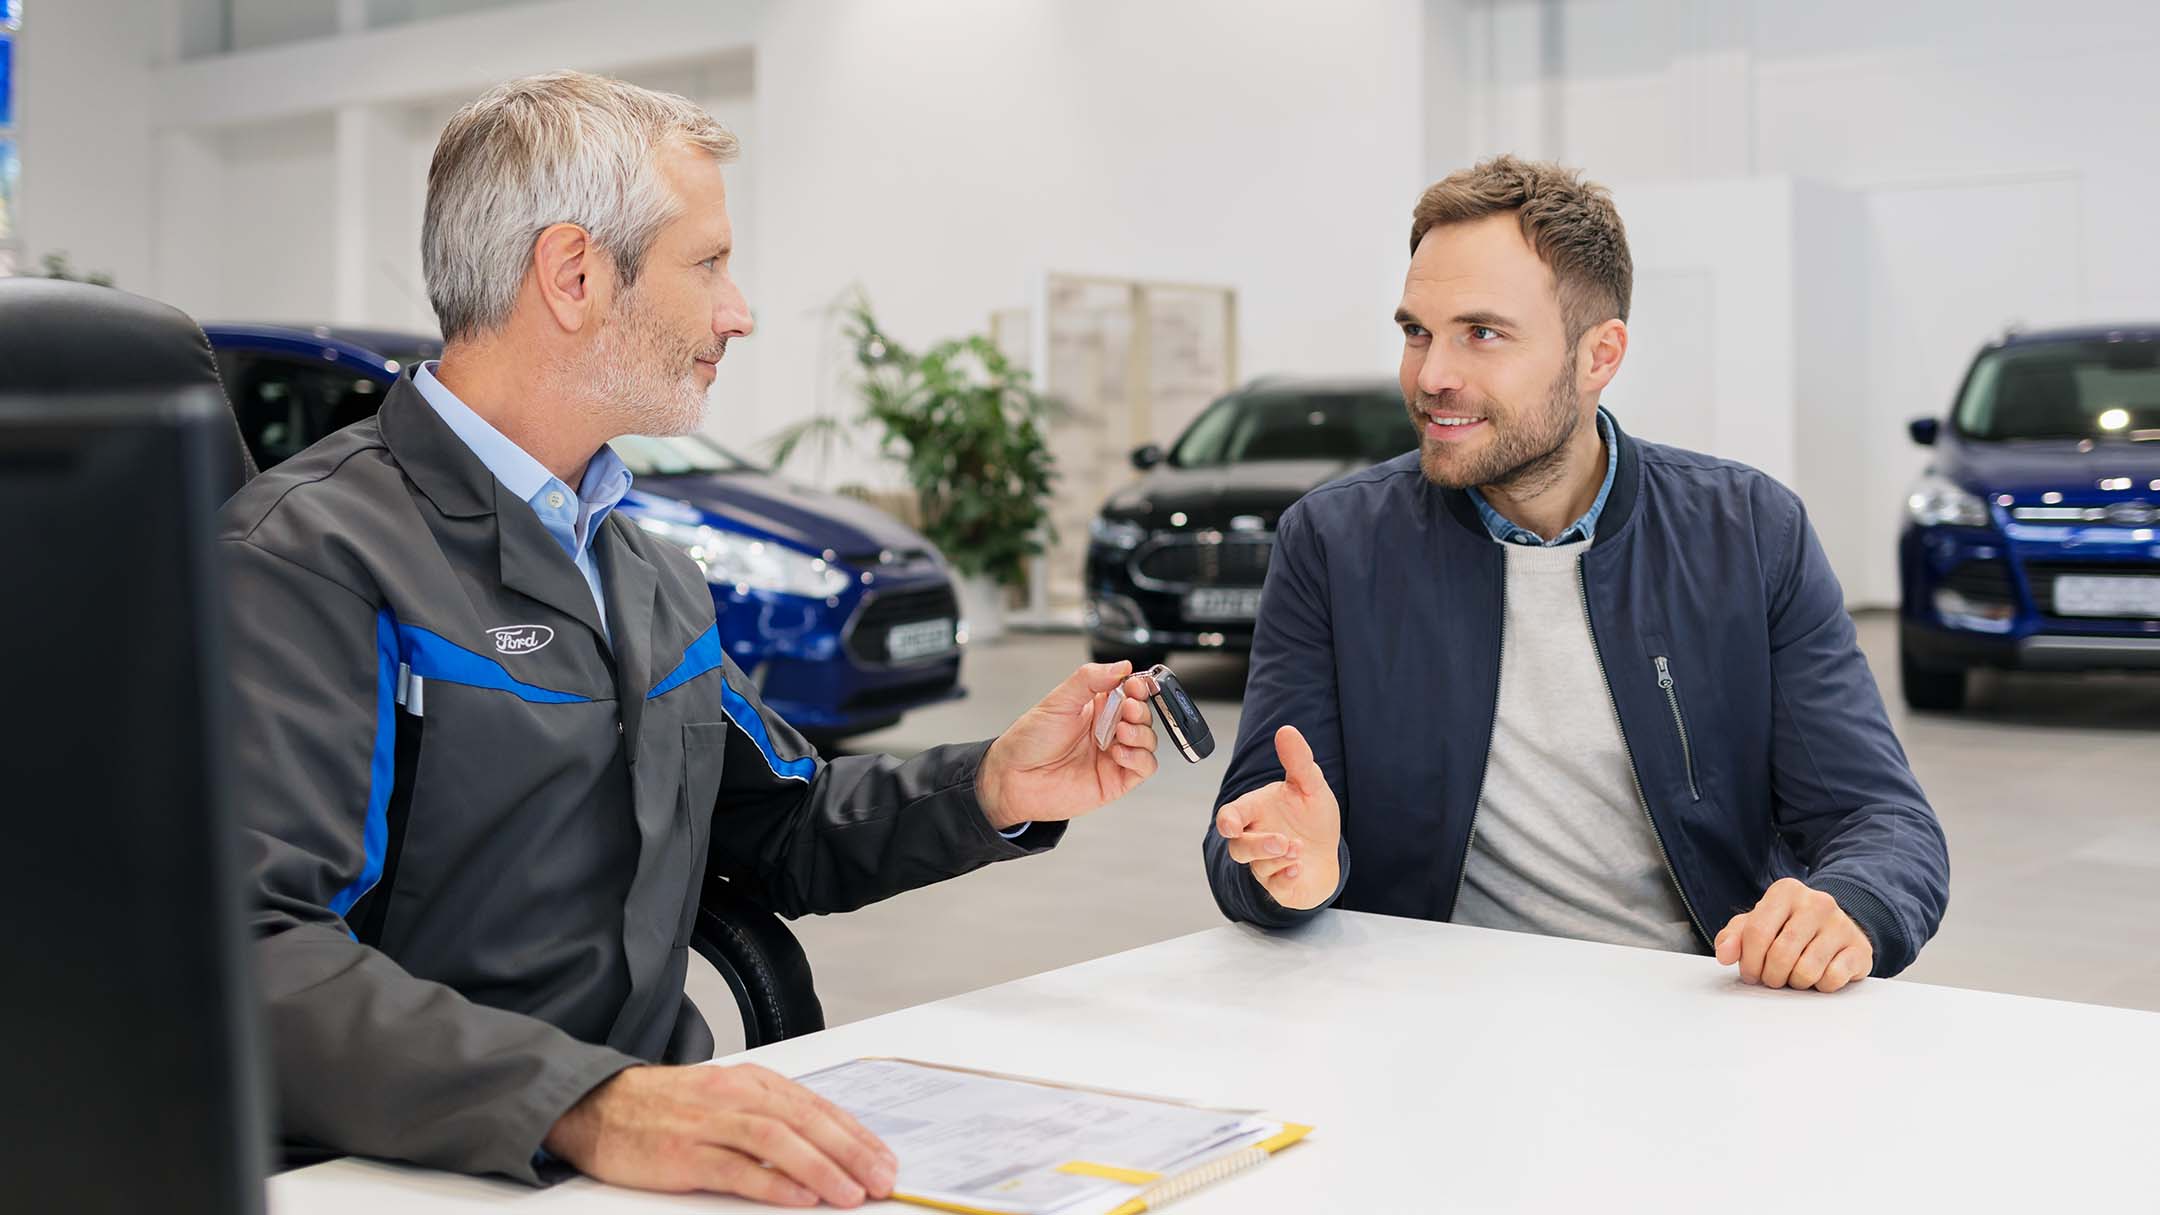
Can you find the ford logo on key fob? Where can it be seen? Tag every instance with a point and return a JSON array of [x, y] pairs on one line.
[[1180, 716]]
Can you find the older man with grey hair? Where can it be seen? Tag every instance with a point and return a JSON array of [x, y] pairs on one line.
[[492, 746]]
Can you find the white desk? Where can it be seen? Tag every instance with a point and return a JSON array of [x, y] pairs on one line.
[[1457, 1069]]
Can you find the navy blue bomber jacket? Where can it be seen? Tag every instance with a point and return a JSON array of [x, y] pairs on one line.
[[1379, 638]]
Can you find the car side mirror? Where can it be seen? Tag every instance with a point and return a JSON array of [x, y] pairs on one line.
[[1145, 458], [1924, 430]]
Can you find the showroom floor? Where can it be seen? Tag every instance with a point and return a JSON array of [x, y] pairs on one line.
[[2048, 788]]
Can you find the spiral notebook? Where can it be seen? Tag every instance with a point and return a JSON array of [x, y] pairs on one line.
[[986, 1144]]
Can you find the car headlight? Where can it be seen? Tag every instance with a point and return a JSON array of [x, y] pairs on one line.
[[1117, 533], [1935, 501], [729, 559]]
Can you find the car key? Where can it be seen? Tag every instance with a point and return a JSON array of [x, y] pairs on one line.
[[1180, 716]]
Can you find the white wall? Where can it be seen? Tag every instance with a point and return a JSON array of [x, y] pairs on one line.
[[1955, 165], [1944, 166], [943, 156], [84, 81], [275, 224], [1993, 150]]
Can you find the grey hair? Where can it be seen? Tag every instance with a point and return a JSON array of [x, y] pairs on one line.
[[562, 147]]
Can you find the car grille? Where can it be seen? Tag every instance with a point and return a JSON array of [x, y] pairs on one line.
[[2119, 514], [2042, 576], [890, 563], [882, 612], [1982, 582], [1202, 559]]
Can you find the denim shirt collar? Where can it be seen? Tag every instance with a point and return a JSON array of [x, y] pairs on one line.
[[1507, 531]]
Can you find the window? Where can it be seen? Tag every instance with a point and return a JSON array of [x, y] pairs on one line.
[[10, 166], [285, 404], [2099, 390], [1353, 427], [675, 456]]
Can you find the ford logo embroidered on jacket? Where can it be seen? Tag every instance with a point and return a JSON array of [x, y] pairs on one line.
[[521, 638]]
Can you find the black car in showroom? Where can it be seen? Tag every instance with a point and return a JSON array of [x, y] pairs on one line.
[[1175, 560]]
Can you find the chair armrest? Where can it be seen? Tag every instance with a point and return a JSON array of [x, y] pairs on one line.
[[762, 962]]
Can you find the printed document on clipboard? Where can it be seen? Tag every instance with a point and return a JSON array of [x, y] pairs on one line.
[[986, 1144]]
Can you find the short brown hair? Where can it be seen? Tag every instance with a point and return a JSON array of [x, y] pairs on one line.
[[1570, 222]]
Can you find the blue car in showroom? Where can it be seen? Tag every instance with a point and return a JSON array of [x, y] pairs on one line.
[[2033, 540], [843, 617]]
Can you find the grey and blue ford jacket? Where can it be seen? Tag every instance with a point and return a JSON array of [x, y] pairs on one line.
[[1755, 730], [477, 831]]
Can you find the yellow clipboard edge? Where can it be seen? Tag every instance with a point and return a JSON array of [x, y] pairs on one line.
[[1291, 1132], [935, 1205]]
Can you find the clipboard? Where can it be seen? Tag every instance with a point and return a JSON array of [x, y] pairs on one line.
[[1144, 1189]]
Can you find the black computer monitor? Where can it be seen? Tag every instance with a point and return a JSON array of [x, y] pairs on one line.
[[127, 1035]]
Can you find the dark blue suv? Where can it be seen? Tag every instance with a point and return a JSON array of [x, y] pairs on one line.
[[2033, 541], [843, 617]]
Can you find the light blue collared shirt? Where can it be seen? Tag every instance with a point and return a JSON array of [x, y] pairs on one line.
[[1506, 531], [572, 518]]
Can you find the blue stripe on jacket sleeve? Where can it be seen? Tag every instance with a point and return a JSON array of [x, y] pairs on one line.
[[705, 655], [382, 767], [747, 720]]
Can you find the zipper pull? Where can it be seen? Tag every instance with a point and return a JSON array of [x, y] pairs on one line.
[[1664, 673]]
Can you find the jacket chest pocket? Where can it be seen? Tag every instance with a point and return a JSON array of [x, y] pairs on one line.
[[704, 760], [1669, 673]]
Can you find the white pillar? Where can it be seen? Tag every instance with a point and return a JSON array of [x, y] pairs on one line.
[[366, 220], [189, 193]]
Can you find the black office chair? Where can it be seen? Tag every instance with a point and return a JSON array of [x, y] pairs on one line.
[[61, 335]]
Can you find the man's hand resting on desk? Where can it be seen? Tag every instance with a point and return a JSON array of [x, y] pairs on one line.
[[715, 1129], [1286, 833], [1796, 937], [1047, 768]]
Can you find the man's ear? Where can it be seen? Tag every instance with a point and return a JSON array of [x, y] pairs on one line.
[[571, 275], [1599, 353]]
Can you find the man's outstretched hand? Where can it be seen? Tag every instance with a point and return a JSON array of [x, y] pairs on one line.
[[1286, 833]]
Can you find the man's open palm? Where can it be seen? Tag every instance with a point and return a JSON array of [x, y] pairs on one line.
[[1286, 833]]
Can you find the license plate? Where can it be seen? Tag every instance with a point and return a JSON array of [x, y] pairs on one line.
[[908, 642], [2088, 595], [1222, 603]]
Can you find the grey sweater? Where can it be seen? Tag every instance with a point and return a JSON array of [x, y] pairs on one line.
[[1562, 844]]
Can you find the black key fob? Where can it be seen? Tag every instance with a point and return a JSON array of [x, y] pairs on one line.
[[1180, 716]]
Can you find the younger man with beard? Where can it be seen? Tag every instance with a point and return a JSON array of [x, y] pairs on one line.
[[1543, 676]]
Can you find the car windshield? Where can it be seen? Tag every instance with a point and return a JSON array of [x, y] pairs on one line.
[[2064, 390], [1364, 426], [677, 455]]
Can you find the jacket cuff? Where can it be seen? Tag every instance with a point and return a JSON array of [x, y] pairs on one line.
[[551, 1098], [1893, 952], [1031, 838], [1271, 914]]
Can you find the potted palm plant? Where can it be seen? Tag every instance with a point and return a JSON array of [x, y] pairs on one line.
[[966, 425]]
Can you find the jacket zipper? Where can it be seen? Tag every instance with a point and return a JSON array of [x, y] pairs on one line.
[[1672, 697], [1499, 657], [1582, 587]]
